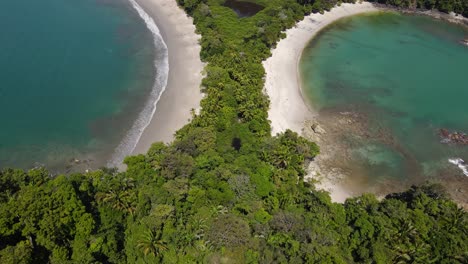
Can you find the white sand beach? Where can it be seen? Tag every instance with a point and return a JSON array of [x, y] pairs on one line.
[[288, 109], [182, 93]]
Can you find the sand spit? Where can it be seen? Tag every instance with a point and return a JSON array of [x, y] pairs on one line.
[[288, 109]]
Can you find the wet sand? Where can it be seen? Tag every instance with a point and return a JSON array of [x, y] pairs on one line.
[[182, 93]]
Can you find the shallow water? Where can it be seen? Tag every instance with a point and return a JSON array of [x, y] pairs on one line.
[[74, 76], [406, 78]]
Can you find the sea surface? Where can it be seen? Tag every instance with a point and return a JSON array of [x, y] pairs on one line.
[[397, 80], [74, 77]]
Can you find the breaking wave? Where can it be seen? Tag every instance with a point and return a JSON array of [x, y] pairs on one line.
[[460, 164], [161, 62]]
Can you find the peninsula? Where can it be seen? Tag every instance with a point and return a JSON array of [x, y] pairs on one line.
[[224, 189]]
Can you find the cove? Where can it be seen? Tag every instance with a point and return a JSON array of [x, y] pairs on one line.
[[385, 84]]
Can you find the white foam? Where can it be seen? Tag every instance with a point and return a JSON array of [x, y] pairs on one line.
[[129, 142], [460, 164]]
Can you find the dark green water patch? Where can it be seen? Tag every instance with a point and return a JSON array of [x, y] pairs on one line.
[[236, 143], [405, 77], [244, 8]]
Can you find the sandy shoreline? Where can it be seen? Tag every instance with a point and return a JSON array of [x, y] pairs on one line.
[[288, 108], [182, 91], [283, 82]]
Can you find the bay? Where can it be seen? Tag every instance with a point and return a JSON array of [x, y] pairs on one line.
[[74, 76]]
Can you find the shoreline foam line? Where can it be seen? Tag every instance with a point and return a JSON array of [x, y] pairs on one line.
[[130, 141], [460, 164]]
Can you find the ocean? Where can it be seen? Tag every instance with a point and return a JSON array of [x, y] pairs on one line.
[[79, 81]]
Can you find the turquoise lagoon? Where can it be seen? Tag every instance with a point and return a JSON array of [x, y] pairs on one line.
[[75, 75], [403, 78]]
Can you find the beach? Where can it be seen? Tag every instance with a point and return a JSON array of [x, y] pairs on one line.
[[288, 108], [182, 92]]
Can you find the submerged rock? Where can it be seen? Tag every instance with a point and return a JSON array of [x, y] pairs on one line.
[[315, 127], [453, 137]]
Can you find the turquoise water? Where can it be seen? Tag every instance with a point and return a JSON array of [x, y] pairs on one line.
[[73, 78], [406, 77]]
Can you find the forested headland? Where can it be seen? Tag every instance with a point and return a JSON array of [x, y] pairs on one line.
[[446, 6], [226, 191]]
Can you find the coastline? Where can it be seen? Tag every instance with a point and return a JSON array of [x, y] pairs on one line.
[[181, 92], [288, 107]]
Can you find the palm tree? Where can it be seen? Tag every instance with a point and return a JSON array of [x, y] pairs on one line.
[[120, 197], [409, 247], [151, 244], [198, 227], [405, 233], [119, 200], [456, 221], [218, 210], [417, 252], [282, 157]]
